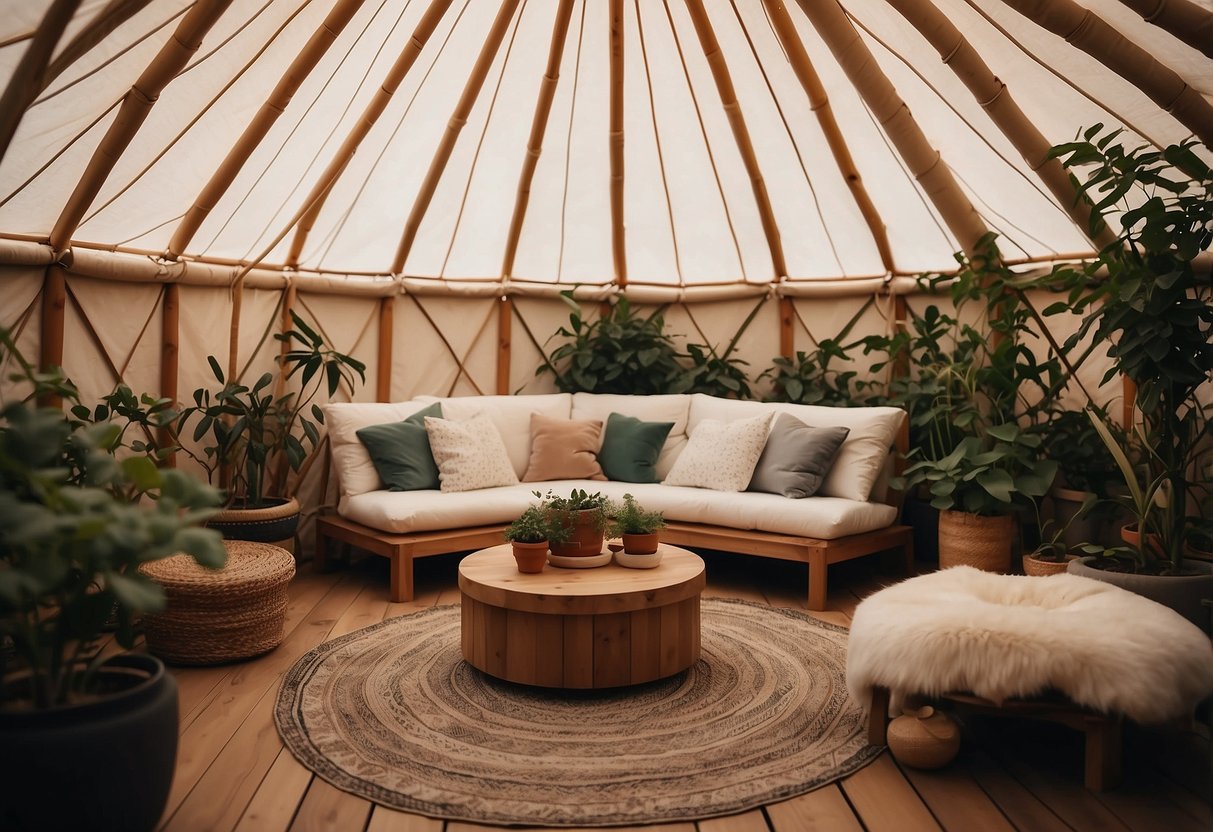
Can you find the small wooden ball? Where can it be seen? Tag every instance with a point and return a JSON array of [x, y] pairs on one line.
[[925, 738]]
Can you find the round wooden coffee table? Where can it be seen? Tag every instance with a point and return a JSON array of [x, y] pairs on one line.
[[580, 628]]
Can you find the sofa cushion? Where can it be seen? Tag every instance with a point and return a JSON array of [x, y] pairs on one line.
[[400, 451], [666, 408], [721, 455], [796, 458], [511, 415], [564, 449], [863, 452], [356, 473], [470, 454], [824, 518], [630, 448]]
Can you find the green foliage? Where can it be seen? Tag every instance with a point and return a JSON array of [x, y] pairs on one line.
[[1084, 461], [713, 374], [593, 508], [248, 429], [809, 379], [632, 518], [535, 526], [75, 524], [1142, 296]]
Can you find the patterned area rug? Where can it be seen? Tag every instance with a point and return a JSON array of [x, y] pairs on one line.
[[393, 713]]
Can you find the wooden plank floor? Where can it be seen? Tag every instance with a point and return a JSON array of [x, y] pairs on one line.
[[233, 772]]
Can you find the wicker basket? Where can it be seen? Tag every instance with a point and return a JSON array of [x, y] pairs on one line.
[[214, 616], [972, 540]]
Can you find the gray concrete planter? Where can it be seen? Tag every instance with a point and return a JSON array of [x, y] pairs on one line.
[[1182, 593]]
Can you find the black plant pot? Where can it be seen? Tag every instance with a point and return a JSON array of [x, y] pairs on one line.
[[106, 764], [276, 522]]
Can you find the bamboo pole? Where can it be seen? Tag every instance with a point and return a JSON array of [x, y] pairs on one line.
[[134, 111], [539, 123], [170, 356], [618, 230], [28, 78], [54, 306], [505, 322], [471, 90], [1089, 32], [387, 332], [1129, 404], [233, 343], [285, 323], [996, 100], [728, 98], [1186, 20], [306, 216], [819, 102], [892, 113], [97, 29], [275, 105], [787, 327]]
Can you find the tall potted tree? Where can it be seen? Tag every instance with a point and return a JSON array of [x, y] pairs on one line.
[[89, 739], [1143, 296], [252, 436]]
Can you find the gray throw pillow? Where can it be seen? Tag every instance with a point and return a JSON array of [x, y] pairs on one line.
[[796, 458]]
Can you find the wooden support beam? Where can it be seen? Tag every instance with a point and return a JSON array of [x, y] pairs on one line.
[[471, 90], [741, 134], [1082, 28], [539, 123], [618, 230], [505, 324], [1186, 20], [275, 105], [305, 218], [233, 342], [819, 102], [170, 355], [787, 327], [1129, 404], [27, 79], [387, 332], [54, 308], [93, 33], [923, 160], [136, 106], [994, 97]]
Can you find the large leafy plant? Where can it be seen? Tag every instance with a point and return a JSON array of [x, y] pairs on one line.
[[1142, 296], [76, 522], [253, 434]]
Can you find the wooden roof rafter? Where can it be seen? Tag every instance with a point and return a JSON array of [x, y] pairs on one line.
[[471, 91], [29, 77], [618, 241], [1182, 18]]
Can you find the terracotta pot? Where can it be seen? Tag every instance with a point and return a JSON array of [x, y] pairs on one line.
[[925, 738], [1130, 535], [640, 544], [586, 538], [275, 523], [973, 540], [530, 557], [1038, 567], [1182, 593]]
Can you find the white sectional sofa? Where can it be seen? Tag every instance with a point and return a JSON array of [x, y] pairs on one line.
[[852, 514]]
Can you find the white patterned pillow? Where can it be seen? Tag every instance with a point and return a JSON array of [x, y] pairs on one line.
[[469, 454], [721, 455]]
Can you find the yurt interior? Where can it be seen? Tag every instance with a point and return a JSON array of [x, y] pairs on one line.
[[688, 415]]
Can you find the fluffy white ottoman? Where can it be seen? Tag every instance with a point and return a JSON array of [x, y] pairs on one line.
[[1010, 637]]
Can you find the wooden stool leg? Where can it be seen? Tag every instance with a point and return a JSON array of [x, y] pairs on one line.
[[878, 716], [401, 579], [1103, 753], [817, 580], [320, 558], [911, 570]]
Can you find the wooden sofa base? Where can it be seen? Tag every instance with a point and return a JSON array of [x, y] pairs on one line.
[[1102, 733], [401, 549]]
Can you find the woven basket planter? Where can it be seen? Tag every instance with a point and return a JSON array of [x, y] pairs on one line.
[[214, 616], [275, 523], [973, 540]]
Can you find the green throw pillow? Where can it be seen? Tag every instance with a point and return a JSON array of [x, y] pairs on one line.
[[630, 448], [401, 451]]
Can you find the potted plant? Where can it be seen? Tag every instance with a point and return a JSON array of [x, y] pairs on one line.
[[1087, 477], [254, 435], [530, 535], [638, 528], [1142, 296], [1051, 551], [582, 517], [75, 523]]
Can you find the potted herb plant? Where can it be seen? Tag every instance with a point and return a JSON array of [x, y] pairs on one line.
[[1087, 478], [639, 530], [530, 535], [75, 523], [253, 435], [583, 517], [1142, 296]]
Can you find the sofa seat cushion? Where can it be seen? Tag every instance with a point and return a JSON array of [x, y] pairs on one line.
[[824, 518]]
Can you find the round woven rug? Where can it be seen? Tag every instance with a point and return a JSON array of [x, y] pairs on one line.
[[392, 713]]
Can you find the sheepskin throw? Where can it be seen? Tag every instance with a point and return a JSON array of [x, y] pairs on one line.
[[1010, 636]]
